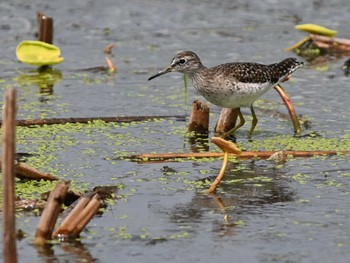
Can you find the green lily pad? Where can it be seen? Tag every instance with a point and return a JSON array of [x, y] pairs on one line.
[[38, 53]]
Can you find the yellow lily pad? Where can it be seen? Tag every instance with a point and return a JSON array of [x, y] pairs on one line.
[[38, 53], [317, 30]]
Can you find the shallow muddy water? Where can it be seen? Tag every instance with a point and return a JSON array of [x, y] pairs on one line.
[[262, 211]]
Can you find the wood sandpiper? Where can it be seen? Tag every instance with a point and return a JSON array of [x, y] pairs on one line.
[[232, 85]]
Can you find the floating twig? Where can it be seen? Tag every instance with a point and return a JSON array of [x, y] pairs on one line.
[[8, 183]]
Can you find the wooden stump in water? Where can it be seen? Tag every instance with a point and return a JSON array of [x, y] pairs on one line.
[[227, 120], [199, 119]]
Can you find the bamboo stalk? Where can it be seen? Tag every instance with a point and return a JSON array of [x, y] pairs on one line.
[[49, 216], [8, 171]]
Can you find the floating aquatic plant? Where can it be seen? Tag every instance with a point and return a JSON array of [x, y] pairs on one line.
[[38, 53]]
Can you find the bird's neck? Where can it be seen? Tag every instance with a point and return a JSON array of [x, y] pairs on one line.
[[196, 73]]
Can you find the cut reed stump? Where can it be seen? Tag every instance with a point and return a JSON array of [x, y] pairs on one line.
[[199, 119], [79, 217], [45, 28], [8, 183], [227, 120], [50, 214]]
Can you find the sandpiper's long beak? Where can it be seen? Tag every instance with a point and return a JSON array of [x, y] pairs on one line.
[[162, 72]]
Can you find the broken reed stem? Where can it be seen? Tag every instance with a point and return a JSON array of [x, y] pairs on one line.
[[291, 110], [334, 43], [88, 213], [25, 171], [52, 121], [227, 120], [218, 179], [45, 28], [163, 157], [111, 67], [65, 228], [199, 119], [49, 216], [8, 171], [79, 217]]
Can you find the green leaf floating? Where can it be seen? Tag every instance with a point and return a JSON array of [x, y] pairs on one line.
[[38, 53]]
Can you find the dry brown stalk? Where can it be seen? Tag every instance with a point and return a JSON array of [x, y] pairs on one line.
[[8, 183], [52, 121], [25, 171], [49, 216], [79, 217], [111, 67], [45, 28], [199, 119], [292, 113], [227, 120], [332, 43], [163, 157]]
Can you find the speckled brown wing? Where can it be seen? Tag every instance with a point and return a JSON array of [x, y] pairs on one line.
[[247, 72]]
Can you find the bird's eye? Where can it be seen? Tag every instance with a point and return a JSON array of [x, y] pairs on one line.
[[182, 61]]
